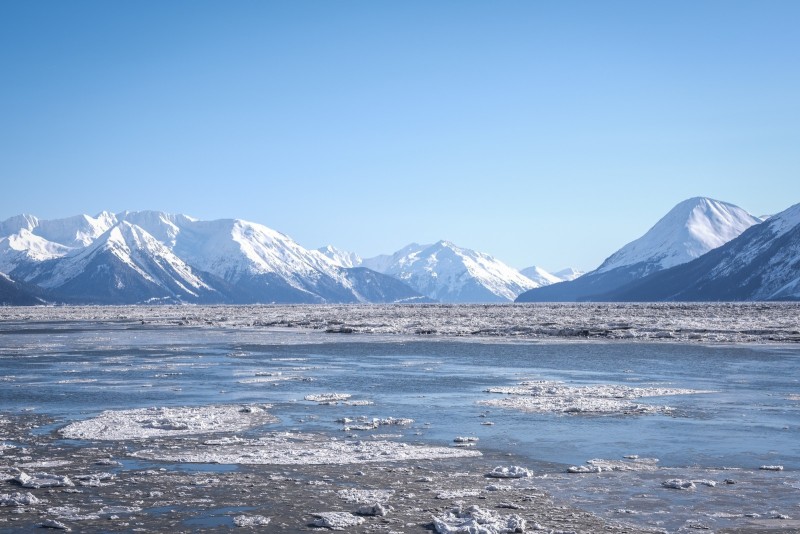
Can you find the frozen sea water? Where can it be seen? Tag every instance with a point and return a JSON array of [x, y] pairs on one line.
[[745, 413]]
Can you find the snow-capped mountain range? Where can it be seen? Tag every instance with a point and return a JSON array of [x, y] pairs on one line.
[[146, 256], [690, 229], [448, 273], [702, 249]]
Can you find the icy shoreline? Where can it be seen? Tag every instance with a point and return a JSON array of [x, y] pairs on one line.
[[756, 322]]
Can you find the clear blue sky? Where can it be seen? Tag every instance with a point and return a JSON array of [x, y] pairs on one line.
[[542, 132]]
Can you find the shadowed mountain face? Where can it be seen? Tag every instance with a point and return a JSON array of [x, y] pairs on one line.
[[16, 294]]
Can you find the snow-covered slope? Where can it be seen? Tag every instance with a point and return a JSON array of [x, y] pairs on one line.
[[691, 229], [569, 274], [124, 265], [540, 276], [688, 231], [24, 247], [448, 273], [135, 256], [763, 263], [340, 257], [77, 231]]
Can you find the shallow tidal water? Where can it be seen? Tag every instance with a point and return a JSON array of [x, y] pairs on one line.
[[745, 414]]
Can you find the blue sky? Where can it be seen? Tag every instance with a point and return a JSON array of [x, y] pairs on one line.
[[542, 132]]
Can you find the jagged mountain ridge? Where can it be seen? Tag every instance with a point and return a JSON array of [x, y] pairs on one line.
[[689, 230], [190, 261], [448, 273]]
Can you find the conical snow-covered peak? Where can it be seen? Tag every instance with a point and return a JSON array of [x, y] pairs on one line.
[[446, 272], [689, 230], [339, 257], [540, 276]]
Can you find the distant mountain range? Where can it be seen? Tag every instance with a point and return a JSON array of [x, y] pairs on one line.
[[702, 249], [146, 257]]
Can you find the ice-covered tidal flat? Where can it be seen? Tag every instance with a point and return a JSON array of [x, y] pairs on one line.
[[686, 322], [437, 418]]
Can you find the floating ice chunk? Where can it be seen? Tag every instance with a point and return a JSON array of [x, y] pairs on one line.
[[598, 466], [476, 520], [42, 480], [337, 520], [152, 422], [328, 398], [679, 484], [364, 496], [465, 439], [18, 499], [544, 396], [376, 509], [51, 523], [365, 423], [46, 463], [457, 494], [251, 521], [584, 469], [514, 471], [771, 468], [95, 479]]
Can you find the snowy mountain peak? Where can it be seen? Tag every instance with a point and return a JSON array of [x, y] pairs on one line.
[[446, 272], [540, 276], [569, 274], [689, 230], [339, 257]]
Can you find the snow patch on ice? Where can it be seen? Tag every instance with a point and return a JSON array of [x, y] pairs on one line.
[[546, 396], [144, 423], [301, 449]]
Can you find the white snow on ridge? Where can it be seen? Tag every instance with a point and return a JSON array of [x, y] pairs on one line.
[[25, 246], [341, 257], [689, 230], [446, 272], [569, 274], [540, 276]]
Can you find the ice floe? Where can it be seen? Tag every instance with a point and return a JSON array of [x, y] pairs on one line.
[[337, 520], [328, 398], [42, 480], [546, 396], [598, 465], [513, 471], [301, 449], [18, 499], [144, 423], [251, 521], [476, 520], [771, 468], [365, 423]]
